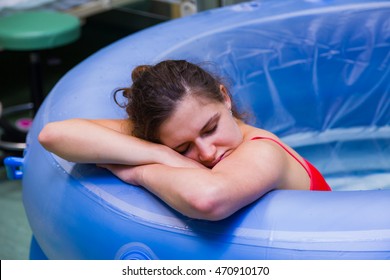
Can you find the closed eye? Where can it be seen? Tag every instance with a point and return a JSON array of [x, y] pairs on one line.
[[183, 152], [186, 149], [210, 131]]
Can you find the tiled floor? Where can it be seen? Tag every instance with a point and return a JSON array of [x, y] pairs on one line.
[[15, 233]]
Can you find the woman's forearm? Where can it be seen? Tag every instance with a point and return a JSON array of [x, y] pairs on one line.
[[195, 192], [86, 141]]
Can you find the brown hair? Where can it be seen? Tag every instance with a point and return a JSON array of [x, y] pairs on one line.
[[157, 89]]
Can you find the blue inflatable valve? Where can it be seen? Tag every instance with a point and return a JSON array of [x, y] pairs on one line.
[[14, 167], [135, 251]]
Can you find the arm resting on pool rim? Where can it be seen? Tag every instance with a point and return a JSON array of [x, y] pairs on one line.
[[213, 194]]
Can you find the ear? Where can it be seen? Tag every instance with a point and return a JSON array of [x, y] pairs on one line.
[[226, 96]]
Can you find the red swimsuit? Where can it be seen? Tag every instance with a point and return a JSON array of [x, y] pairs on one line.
[[317, 181]]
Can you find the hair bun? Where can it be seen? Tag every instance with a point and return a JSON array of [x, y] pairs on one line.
[[139, 71]]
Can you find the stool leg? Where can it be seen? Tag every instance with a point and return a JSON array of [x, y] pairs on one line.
[[36, 80]]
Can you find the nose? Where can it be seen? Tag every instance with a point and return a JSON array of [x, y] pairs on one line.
[[206, 151]]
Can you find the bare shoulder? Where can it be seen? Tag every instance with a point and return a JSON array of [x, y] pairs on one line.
[[262, 165], [260, 153], [282, 161], [251, 152]]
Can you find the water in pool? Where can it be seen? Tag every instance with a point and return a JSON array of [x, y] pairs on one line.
[[353, 162]]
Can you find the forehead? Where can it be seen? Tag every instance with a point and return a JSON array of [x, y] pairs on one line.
[[189, 117]]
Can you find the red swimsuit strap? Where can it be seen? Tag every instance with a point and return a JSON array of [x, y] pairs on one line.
[[287, 150], [317, 181]]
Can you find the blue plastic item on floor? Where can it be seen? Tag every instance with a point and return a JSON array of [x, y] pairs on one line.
[[316, 73], [13, 167]]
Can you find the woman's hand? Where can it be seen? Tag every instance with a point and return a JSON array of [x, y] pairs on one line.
[[133, 174], [127, 173]]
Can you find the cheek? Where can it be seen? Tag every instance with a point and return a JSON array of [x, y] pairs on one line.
[[235, 141], [232, 136]]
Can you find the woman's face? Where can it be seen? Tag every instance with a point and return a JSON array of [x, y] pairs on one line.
[[202, 129]]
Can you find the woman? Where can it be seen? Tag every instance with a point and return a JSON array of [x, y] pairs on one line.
[[185, 142]]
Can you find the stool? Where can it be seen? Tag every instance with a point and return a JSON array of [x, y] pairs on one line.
[[34, 31]]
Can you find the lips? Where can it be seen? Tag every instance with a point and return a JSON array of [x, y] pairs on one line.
[[221, 157]]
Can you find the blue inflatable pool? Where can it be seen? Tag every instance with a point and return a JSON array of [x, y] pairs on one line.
[[316, 73]]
